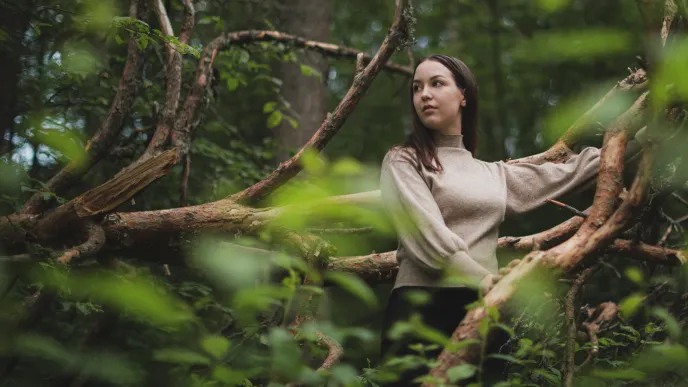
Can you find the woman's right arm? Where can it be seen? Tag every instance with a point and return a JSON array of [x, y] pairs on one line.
[[418, 222]]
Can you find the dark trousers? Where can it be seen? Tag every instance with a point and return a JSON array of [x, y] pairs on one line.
[[443, 312]]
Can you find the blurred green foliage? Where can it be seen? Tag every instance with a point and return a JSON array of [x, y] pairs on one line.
[[224, 317]]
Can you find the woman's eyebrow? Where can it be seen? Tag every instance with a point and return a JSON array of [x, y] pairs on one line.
[[431, 78]]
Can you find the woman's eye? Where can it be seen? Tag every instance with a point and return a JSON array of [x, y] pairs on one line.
[[436, 83]]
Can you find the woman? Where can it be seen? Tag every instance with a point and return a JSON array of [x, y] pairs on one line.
[[455, 202]]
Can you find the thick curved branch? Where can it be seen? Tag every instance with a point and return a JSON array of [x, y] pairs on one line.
[[398, 33], [103, 140], [94, 242]]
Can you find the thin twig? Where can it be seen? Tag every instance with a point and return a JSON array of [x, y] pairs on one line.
[[574, 210], [569, 364]]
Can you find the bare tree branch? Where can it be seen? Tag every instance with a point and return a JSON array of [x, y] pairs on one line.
[[569, 363], [101, 142], [94, 242], [396, 36], [327, 49]]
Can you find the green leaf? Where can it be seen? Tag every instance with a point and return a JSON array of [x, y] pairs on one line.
[[629, 306], [232, 83], [354, 285], [493, 312], [552, 5], [217, 346], [345, 374], [274, 119], [310, 71], [65, 142], [461, 372], [672, 326], [137, 296], [635, 275], [484, 327], [502, 356], [571, 45], [180, 356], [285, 354], [269, 106], [623, 374], [293, 122]]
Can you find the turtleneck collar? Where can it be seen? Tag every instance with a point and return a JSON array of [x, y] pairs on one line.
[[448, 140]]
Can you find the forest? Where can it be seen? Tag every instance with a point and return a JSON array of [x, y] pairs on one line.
[[189, 190]]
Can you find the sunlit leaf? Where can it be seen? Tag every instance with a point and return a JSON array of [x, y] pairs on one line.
[[230, 265], [580, 44], [79, 59], [353, 285], [138, 297], [672, 325], [344, 374], [622, 374], [97, 15], [310, 71], [671, 72], [346, 166], [552, 5], [269, 107], [312, 161], [460, 372], [630, 305], [274, 119], [567, 112], [65, 142], [215, 345], [285, 354], [180, 356], [635, 275]]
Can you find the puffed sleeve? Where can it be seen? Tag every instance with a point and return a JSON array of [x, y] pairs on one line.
[[417, 219], [529, 185]]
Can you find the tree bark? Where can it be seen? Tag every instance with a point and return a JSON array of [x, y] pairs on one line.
[[306, 95]]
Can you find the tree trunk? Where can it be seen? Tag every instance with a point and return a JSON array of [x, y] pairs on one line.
[[14, 19], [306, 94]]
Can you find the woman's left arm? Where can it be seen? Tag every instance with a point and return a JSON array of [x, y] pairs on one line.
[[529, 185]]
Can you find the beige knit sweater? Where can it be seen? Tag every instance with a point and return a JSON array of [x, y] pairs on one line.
[[448, 222]]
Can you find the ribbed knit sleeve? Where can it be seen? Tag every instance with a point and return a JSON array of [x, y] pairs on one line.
[[417, 219], [529, 185]]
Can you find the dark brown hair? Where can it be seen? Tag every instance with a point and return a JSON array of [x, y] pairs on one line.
[[421, 139]]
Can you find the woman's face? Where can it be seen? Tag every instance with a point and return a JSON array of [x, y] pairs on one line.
[[436, 97]]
